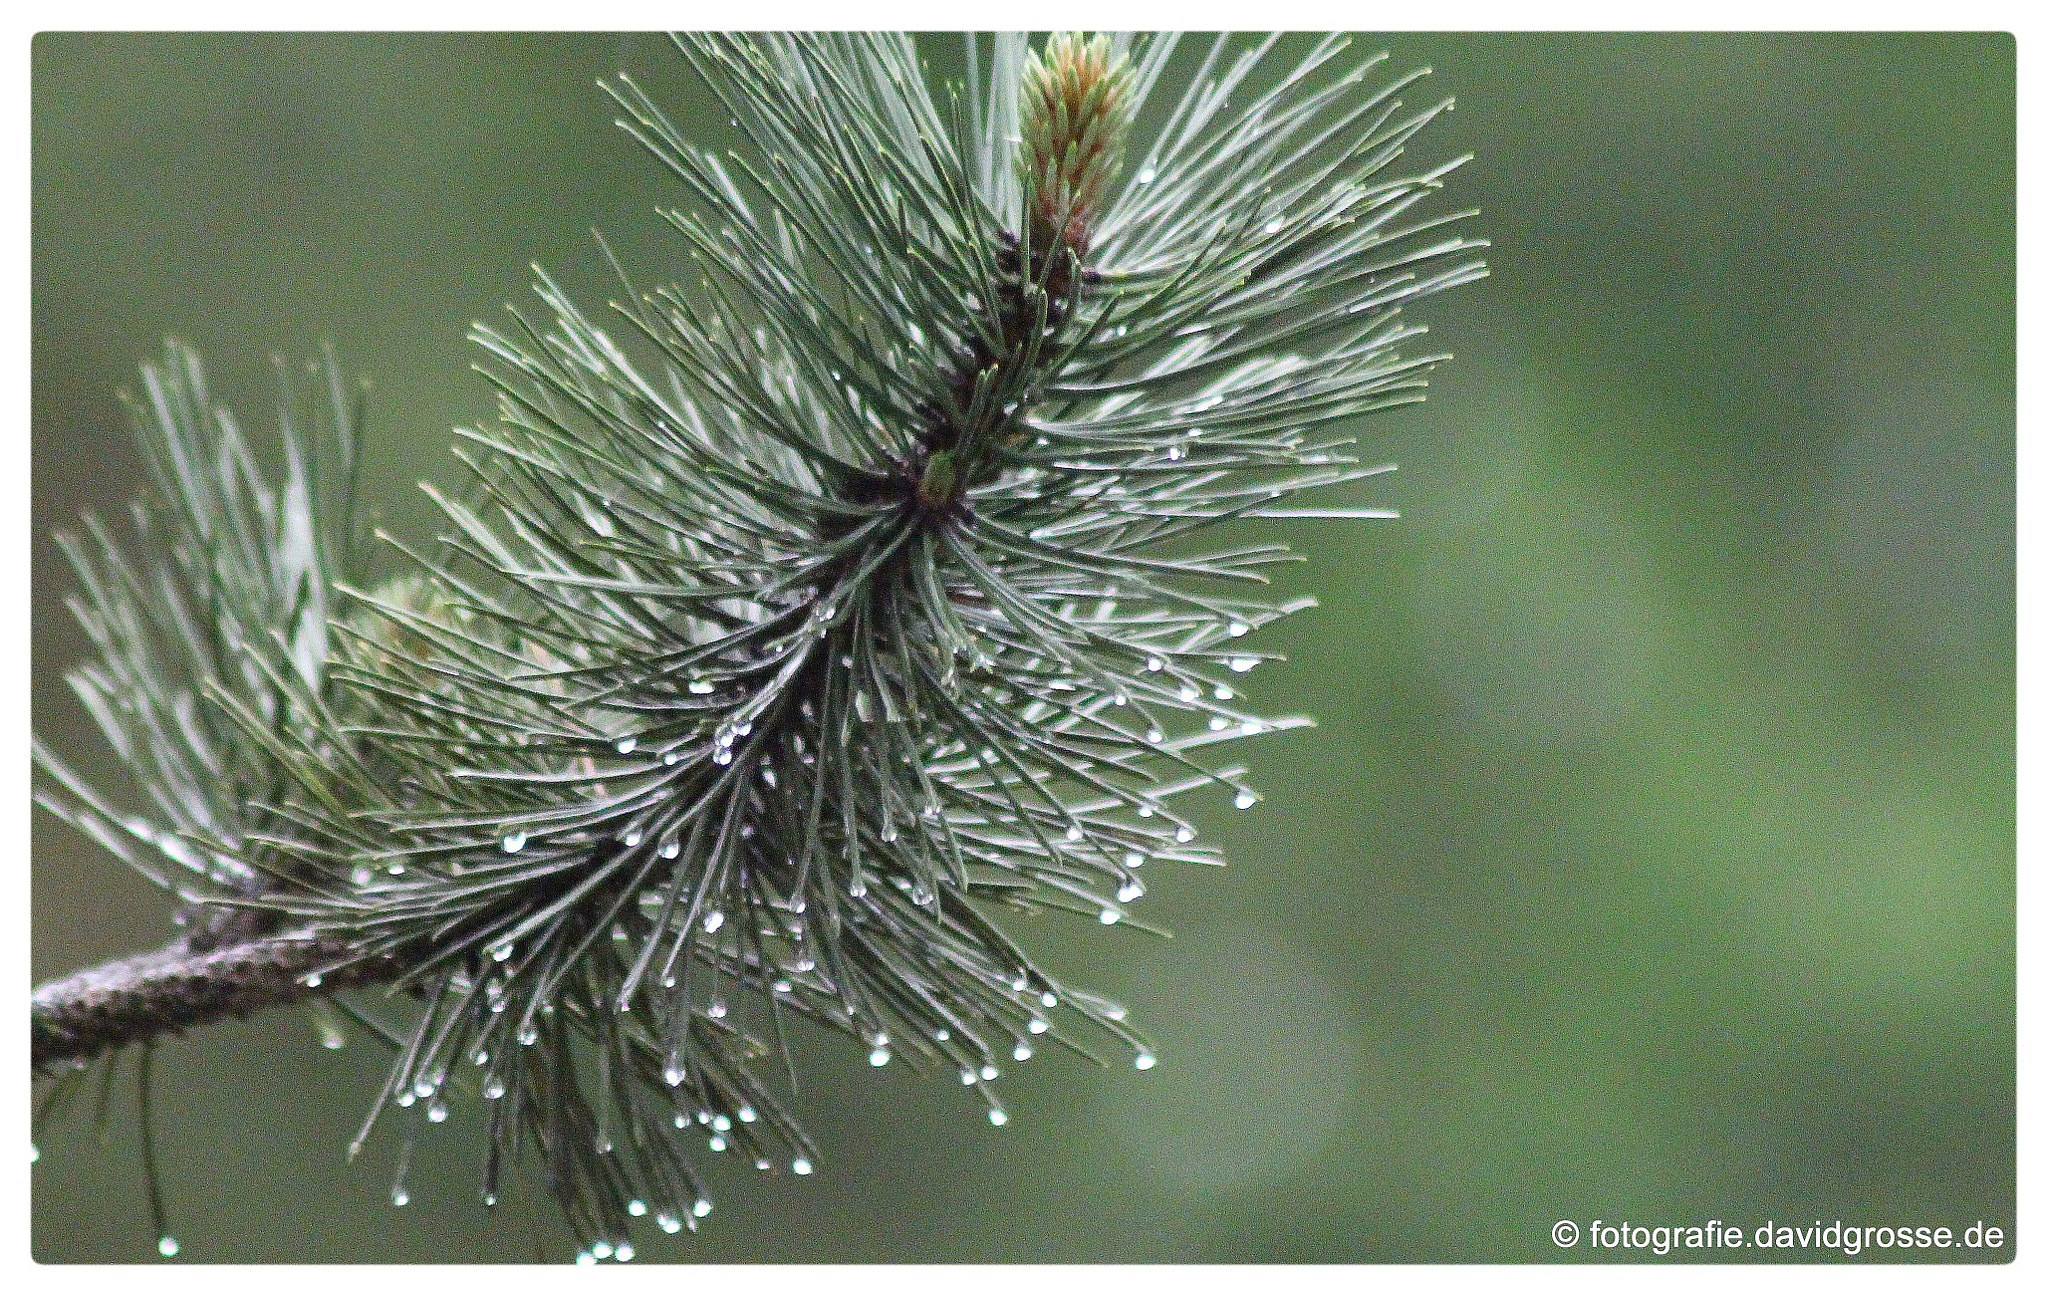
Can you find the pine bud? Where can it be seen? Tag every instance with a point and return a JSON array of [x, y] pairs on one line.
[[940, 484], [1075, 109]]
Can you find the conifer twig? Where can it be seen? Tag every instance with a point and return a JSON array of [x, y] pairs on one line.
[[846, 600], [140, 998]]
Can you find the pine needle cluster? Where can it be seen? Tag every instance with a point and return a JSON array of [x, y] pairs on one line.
[[804, 616], [209, 639]]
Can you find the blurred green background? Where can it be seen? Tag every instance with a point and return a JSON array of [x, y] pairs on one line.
[[1654, 858]]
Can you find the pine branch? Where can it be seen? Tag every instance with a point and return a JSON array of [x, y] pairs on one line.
[[760, 673], [169, 991]]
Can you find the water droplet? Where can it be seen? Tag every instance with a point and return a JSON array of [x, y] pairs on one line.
[[880, 1057], [1148, 175], [997, 1116], [1189, 692], [967, 1075], [1152, 735], [674, 1076], [405, 1099], [1243, 664], [438, 1112], [312, 979], [1022, 1052], [1273, 226], [1109, 917], [1224, 693], [34, 1154], [529, 1034], [1245, 800], [1250, 727], [722, 755], [889, 832], [1073, 834], [668, 1223], [857, 889], [1183, 834], [1155, 664], [702, 1208], [423, 1089], [631, 839], [400, 1196], [745, 1113], [1134, 860], [494, 1089], [721, 1122], [1120, 700], [625, 1251], [585, 1258], [1049, 999], [1176, 452], [168, 1245], [714, 920], [800, 1166], [716, 1143], [626, 745], [1145, 1061], [988, 1071], [717, 1008], [1038, 1026], [514, 842], [1129, 891], [1218, 723], [671, 848]]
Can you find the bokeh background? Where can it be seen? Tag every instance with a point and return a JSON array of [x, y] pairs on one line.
[[1654, 858]]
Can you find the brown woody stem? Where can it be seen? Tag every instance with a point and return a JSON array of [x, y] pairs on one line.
[[168, 991]]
